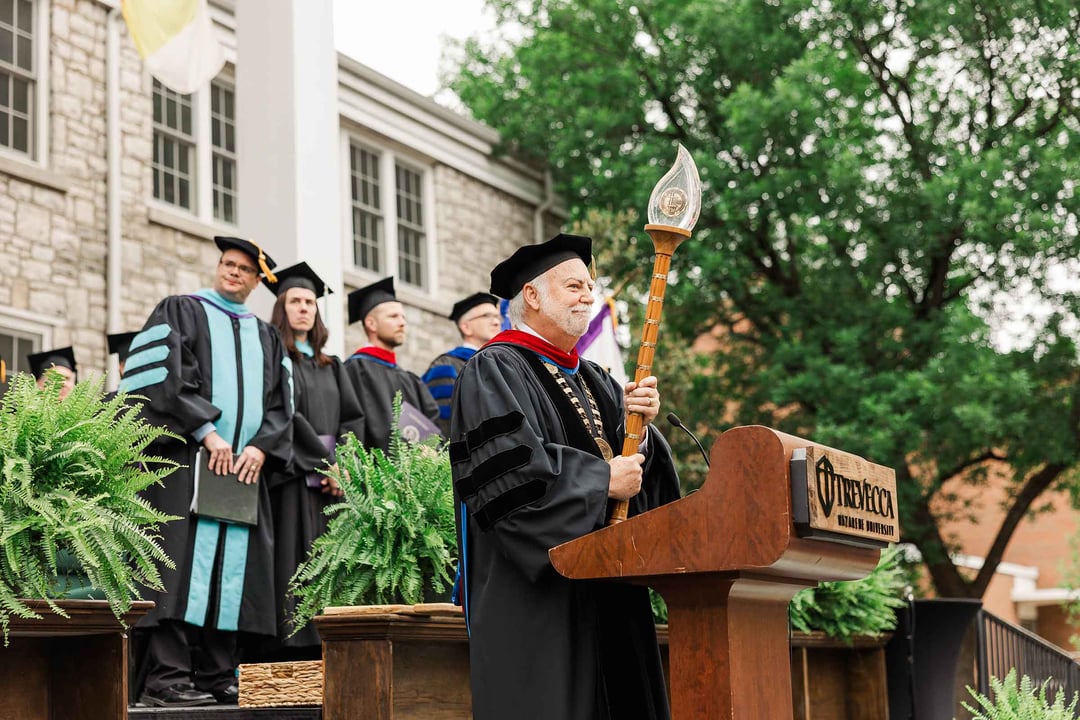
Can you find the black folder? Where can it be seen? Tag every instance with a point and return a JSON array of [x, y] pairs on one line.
[[223, 497]]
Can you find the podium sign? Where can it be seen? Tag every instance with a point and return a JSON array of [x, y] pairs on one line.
[[840, 497]]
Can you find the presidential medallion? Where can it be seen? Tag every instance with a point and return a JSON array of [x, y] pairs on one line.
[[605, 449]]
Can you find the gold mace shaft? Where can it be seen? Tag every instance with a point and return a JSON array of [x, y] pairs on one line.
[[666, 240]]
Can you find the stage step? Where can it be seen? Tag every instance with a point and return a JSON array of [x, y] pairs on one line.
[[225, 713]]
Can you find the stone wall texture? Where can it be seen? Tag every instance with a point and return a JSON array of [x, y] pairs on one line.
[[53, 235]]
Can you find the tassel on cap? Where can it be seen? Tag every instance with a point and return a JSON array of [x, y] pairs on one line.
[[270, 277]]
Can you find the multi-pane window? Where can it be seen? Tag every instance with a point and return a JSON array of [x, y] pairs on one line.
[[367, 224], [17, 75], [15, 345], [411, 236], [174, 147], [223, 141], [195, 150], [390, 214]]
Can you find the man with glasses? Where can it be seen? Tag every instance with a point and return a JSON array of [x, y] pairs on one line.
[[217, 377], [478, 320]]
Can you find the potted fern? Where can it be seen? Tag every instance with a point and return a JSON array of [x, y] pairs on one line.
[[845, 610], [71, 519], [1009, 700], [391, 539]]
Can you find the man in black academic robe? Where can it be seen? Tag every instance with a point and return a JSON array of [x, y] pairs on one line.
[[532, 430], [373, 369], [218, 377], [478, 320]]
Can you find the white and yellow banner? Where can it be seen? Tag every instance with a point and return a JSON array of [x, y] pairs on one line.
[[176, 41]]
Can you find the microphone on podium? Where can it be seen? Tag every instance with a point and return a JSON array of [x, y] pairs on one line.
[[674, 420]]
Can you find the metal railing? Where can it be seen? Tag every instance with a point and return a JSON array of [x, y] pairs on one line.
[[1002, 646]]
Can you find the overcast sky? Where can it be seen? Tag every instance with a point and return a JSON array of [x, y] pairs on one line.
[[403, 39]]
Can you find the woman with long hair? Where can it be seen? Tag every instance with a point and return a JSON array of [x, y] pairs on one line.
[[326, 408]]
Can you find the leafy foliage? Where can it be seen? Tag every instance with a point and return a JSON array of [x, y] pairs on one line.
[[882, 181], [1011, 701], [392, 533], [70, 474], [843, 610]]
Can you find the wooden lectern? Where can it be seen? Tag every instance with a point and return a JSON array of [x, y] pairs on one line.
[[727, 559]]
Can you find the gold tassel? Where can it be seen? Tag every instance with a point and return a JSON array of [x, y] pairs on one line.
[[265, 268], [3, 371]]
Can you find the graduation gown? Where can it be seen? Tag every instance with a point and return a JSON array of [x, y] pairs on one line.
[[205, 363], [440, 378], [376, 379], [528, 477], [325, 405]]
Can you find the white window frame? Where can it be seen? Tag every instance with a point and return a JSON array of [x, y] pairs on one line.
[[185, 141], [23, 323], [39, 123], [202, 193], [389, 158], [226, 82]]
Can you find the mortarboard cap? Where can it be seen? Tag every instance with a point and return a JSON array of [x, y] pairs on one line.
[[298, 275], [257, 254], [119, 343], [530, 261], [465, 305], [364, 300], [42, 361]]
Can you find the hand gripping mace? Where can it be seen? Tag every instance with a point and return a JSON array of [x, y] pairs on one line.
[[673, 210]]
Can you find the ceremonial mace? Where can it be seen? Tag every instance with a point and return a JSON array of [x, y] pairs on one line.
[[673, 209]]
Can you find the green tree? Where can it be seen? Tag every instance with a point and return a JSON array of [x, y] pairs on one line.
[[878, 176]]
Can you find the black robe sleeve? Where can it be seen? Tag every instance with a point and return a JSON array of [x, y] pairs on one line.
[[375, 385], [164, 368], [309, 453], [528, 492], [352, 413]]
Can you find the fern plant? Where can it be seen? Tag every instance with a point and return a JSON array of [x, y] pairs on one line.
[[70, 474], [1012, 701], [843, 610], [392, 533]]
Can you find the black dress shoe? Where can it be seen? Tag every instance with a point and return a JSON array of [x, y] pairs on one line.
[[179, 695], [229, 695]]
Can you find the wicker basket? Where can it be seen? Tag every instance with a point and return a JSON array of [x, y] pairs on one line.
[[282, 683]]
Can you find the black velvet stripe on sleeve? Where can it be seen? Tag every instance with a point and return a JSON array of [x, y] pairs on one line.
[[508, 502], [494, 467], [490, 428]]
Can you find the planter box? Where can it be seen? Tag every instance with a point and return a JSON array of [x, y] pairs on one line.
[[412, 663], [73, 668], [833, 679]]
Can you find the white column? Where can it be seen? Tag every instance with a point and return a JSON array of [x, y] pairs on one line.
[[287, 136]]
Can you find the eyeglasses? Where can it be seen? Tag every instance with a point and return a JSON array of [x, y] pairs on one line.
[[485, 316], [245, 269]]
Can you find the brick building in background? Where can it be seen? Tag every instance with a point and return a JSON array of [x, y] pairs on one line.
[[112, 186], [1031, 584]]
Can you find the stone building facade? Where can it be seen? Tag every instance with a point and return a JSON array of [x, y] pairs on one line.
[[112, 188]]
